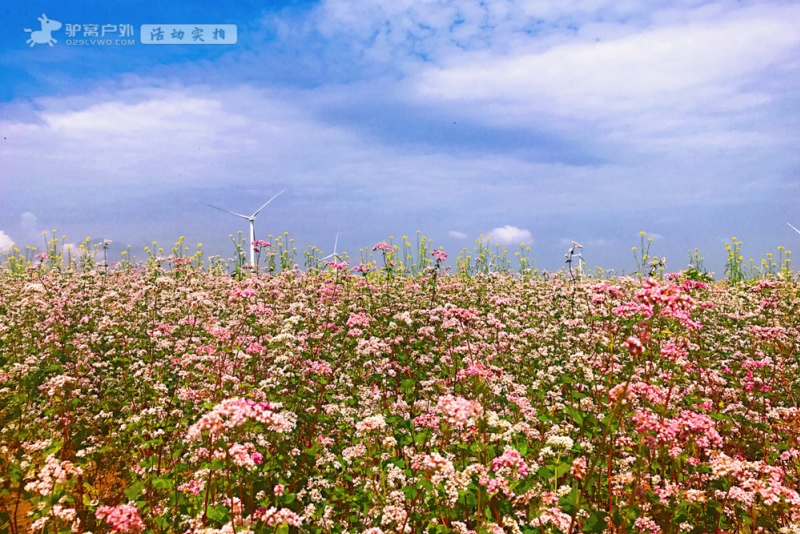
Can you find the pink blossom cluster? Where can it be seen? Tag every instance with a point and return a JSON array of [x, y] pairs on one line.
[[659, 430], [458, 411], [432, 462], [235, 412], [646, 524], [511, 463], [384, 247], [753, 478], [245, 455], [122, 518], [463, 315], [239, 294], [54, 472], [439, 255], [276, 517], [193, 486], [475, 369], [318, 367], [670, 299], [373, 423]]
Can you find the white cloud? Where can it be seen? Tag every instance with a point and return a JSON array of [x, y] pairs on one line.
[[510, 235], [6, 243], [194, 137], [434, 30], [457, 235], [29, 222], [676, 77]]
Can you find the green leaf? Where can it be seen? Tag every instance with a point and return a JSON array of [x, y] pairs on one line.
[[575, 414], [545, 473], [162, 483], [569, 500], [409, 491], [561, 468], [596, 522], [399, 462], [133, 492], [14, 473], [407, 385], [218, 513]]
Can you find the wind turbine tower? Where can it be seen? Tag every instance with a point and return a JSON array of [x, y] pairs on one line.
[[252, 220]]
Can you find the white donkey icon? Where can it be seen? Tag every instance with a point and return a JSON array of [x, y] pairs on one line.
[[44, 35]]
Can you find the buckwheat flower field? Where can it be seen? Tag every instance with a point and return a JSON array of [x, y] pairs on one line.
[[165, 400]]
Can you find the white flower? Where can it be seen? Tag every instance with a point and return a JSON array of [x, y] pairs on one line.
[[560, 442]]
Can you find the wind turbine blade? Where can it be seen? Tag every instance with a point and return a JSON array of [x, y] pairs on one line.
[[333, 255], [265, 203], [226, 211], [793, 228]]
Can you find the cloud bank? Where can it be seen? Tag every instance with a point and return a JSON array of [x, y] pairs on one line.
[[6, 243]]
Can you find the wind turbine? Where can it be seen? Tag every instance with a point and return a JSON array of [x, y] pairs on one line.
[[334, 255], [252, 220], [793, 228]]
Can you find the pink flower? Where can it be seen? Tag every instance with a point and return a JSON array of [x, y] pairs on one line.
[[278, 516], [458, 411], [193, 486], [235, 412], [358, 319], [340, 266], [362, 268], [511, 459], [122, 518], [426, 420], [578, 468], [634, 346], [370, 424], [645, 524], [439, 255]]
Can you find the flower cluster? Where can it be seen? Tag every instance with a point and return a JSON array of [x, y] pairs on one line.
[[122, 518], [368, 401]]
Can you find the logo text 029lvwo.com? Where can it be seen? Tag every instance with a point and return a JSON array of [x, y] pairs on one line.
[[100, 42]]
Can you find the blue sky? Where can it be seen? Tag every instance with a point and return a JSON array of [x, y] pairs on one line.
[[534, 121]]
